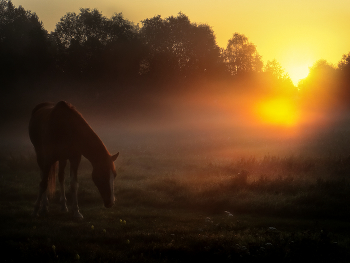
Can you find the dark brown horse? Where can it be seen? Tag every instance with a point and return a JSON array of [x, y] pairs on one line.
[[59, 133]]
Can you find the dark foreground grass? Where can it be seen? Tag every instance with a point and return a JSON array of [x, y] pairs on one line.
[[180, 210]]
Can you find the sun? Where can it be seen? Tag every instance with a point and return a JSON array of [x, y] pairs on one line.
[[296, 58], [277, 111], [297, 73]]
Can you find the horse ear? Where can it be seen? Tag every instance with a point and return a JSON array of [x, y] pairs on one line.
[[114, 157]]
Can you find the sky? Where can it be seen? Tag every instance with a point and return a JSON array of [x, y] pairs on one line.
[[296, 33]]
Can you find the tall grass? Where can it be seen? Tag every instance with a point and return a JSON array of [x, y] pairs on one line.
[[181, 209], [288, 186]]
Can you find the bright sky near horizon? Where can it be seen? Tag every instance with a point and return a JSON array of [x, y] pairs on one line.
[[296, 33]]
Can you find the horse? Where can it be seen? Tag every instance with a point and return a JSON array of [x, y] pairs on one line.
[[59, 133]]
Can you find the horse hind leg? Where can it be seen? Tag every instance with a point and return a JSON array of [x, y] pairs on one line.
[[42, 197], [44, 204], [74, 163], [38, 202], [63, 199]]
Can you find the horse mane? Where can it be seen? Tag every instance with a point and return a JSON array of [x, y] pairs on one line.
[[72, 110], [80, 124], [41, 105], [73, 114], [67, 105]]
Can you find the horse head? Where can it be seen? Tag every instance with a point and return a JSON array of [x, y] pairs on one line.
[[103, 176]]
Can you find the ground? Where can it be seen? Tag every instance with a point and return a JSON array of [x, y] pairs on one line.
[[179, 209]]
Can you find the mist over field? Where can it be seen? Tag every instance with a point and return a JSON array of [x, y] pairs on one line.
[[207, 125]]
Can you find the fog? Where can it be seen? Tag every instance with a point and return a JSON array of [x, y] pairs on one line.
[[220, 125]]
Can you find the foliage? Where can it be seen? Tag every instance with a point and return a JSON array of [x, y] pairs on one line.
[[326, 81], [178, 47], [24, 45], [344, 64], [241, 56], [275, 69], [93, 46], [278, 80]]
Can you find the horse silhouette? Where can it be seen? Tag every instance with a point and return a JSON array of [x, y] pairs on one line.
[[59, 133]]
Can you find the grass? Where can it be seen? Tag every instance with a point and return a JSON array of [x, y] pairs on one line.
[[181, 209]]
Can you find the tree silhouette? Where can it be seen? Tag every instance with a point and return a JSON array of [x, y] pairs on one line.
[[176, 47], [344, 63], [91, 45], [320, 90], [344, 78], [124, 49], [274, 68], [321, 74], [242, 56], [24, 45], [82, 27], [274, 71]]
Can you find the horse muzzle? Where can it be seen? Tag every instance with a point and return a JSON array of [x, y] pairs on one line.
[[110, 203]]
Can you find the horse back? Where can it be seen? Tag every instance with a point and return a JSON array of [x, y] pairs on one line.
[[50, 125]]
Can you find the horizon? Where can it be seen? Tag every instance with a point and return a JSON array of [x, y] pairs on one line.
[[287, 32]]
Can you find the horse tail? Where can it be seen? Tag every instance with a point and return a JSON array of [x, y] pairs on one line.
[[51, 186]]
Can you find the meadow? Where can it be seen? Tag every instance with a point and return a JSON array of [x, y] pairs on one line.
[[176, 208]]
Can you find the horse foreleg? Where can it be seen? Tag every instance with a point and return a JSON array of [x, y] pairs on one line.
[[74, 187], [44, 204], [38, 202], [63, 199], [41, 195]]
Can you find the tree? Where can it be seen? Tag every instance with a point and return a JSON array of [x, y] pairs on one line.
[[241, 56], [24, 44], [320, 89], [344, 77], [344, 63], [329, 82], [321, 76], [177, 47], [274, 70], [92, 45], [89, 24], [124, 49]]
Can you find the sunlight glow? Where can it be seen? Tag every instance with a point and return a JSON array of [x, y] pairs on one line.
[[277, 111], [298, 73], [297, 57]]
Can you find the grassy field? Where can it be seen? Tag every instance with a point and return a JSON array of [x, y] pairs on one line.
[[180, 209]]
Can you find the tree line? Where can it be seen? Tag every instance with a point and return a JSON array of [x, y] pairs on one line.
[[90, 47]]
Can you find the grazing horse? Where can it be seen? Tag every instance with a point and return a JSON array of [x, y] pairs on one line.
[[59, 133]]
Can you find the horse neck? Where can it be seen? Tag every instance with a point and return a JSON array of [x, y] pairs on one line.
[[94, 150], [91, 146]]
